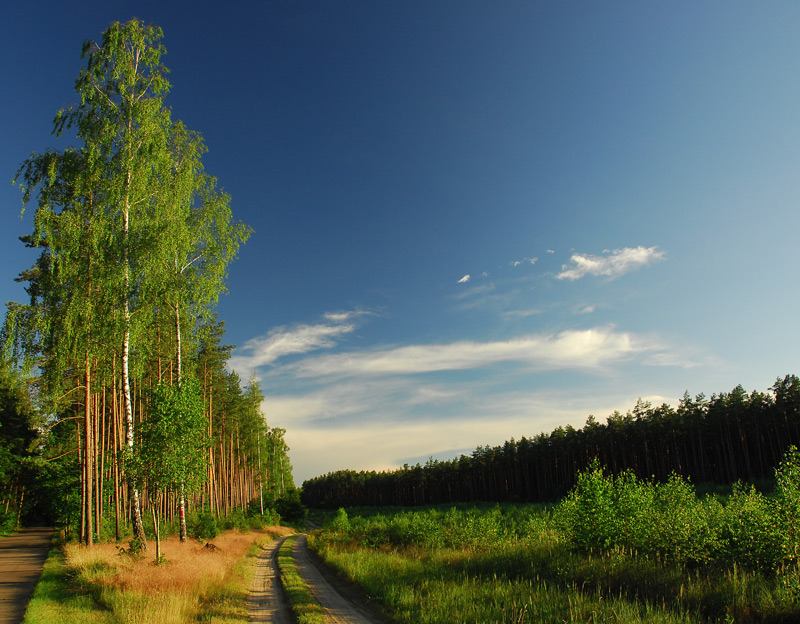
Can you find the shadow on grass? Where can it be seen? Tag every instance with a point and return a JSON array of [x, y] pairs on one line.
[[57, 598]]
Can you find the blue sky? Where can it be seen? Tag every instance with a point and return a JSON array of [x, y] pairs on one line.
[[473, 221]]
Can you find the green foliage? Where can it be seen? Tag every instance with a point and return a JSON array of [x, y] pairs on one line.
[[341, 522], [303, 604], [203, 526], [520, 563], [8, 521], [473, 528], [749, 533], [787, 499], [667, 519], [173, 442], [290, 509]]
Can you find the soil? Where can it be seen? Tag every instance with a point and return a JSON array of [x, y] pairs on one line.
[[344, 602], [267, 602], [22, 558]]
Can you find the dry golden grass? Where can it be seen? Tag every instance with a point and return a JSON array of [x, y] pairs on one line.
[[139, 591]]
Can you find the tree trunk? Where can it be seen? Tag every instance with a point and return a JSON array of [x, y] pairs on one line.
[[158, 537], [136, 511], [182, 502], [88, 447]]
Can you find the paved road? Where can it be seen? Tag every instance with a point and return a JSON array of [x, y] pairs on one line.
[[21, 559]]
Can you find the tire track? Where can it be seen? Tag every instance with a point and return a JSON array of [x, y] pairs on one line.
[[266, 602], [339, 609]]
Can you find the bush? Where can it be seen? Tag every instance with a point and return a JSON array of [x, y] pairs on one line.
[[8, 520], [603, 511], [749, 532], [787, 498], [341, 522], [203, 526], [290, 508]]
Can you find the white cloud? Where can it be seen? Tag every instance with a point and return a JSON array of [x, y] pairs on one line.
[[464, 279], [568, 349], [614, 264], [344, 316], [517, 263], [283, 341]]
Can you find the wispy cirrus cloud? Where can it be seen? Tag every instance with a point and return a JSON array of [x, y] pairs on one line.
[[516, 263], [613, 264], [465, 279], [293, 340], [568, 349]]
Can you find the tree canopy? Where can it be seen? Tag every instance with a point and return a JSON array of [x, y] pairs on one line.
[[119, 336]]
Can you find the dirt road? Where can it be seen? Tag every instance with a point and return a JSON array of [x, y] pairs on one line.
[[342, 603], [267, 602], [21, 559]]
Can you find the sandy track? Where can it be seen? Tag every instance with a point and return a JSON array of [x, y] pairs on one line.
[[267, 602], [339, 601], [22, 556]]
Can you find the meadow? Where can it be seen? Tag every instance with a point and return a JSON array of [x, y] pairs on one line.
[[616, 549], [106, 583]]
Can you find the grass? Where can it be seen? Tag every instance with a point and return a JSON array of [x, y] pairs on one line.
[[57, 599], [443, 586], [303, 604], [226, 603], [99, 585], [514, 566]]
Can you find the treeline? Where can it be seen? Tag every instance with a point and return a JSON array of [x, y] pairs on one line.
[[119, 345], [728, 437]]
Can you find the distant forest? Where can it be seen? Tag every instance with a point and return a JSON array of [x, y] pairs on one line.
[[729, 437]]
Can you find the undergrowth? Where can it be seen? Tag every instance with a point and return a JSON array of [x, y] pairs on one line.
[[617, 549]]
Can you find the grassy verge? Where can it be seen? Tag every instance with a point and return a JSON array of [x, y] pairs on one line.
[[56, 598], [306, 609], [99, 585]]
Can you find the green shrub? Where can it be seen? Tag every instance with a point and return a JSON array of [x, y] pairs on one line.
[[590, 512], [749, 532], [667, 519], [341, 522], [8, 520], [290, 508], [203, 526], [787, 498]]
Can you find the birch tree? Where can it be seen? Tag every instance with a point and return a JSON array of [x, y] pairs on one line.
[[133, 232], [200, 241], [124, 125]]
